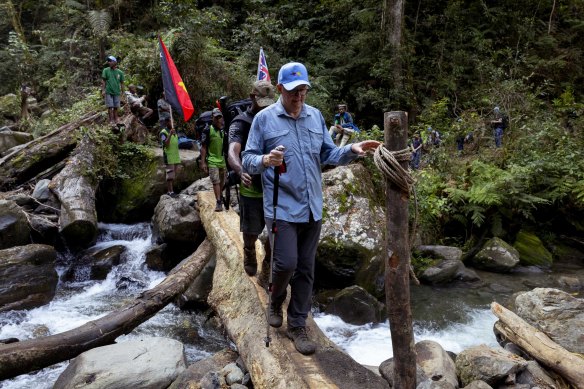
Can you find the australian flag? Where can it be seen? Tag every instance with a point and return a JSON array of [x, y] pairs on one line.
[[174, 88], [263, 73]]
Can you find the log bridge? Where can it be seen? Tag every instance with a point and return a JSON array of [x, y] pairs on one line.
[[240, 303]]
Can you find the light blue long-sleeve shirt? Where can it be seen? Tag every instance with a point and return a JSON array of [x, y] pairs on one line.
[[308, 146]]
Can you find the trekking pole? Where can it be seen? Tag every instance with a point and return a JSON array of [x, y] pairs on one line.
[[273, 244]]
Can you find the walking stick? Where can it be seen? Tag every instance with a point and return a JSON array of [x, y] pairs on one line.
[[277, 173]]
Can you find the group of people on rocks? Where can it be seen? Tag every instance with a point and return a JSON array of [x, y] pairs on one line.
[[271, 133], [499, 123]]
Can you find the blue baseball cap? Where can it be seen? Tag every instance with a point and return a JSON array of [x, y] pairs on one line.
[[111, 58], [293, 74]]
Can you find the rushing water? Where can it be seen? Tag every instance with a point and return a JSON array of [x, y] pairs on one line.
[[457, 318], [76, 303]]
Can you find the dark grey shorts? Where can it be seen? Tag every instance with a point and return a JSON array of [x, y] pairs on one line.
[[251, 215]]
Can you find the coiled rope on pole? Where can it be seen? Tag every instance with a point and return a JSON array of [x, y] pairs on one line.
[[388, 162]]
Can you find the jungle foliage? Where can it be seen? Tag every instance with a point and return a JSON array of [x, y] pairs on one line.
[[460, 58]]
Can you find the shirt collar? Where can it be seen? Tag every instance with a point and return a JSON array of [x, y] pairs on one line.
[[281, 111]]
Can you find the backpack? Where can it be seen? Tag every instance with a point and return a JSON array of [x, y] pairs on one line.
[[231, 111], [505, 121], [205, 119]]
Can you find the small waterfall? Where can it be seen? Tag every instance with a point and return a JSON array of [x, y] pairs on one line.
[[78, 302]]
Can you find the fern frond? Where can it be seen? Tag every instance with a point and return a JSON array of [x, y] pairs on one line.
[[100, 21], [75, 4]]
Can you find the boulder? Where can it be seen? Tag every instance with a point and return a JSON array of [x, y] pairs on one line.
[[535, 376], [195, 297], [443, 272], [436, 363], [27, 276], [442, 252], [496, 256], [176, 223], [493, 366], [14, 228], [41, 191], [155, 257], [149, 363], [9, 139], [386, 371], [43, 230], [556, 313], [131, 199], [531, 250], [94, 263], [352, 231], [429, 384], [192, 376], [354, 305]]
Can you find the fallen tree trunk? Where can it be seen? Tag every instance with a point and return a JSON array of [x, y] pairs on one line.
[[241, 303], [41, 153], [75, 189], [28, 355], [537, 344]]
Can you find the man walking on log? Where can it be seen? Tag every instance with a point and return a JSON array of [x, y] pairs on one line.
[[301, 129], [251, 211]]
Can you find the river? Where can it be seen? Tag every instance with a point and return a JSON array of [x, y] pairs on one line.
[[455, 317]]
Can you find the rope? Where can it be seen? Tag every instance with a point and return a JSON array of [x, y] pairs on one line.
[[388, 162]]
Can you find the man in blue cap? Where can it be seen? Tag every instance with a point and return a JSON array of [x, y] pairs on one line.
[[112, 87], [301, 129]]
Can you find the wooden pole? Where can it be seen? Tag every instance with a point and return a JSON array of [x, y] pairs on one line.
[[397, 266]]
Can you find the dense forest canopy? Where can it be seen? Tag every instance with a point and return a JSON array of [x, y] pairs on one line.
[[457, 59]]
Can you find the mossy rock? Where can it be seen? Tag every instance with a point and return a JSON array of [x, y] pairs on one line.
[[134, 199], [531, 250], [10, 106]]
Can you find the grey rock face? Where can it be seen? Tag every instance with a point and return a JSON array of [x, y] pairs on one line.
[[354, 305], [150, 363], [493, 366], [27, 276], [556, 313], [14, 228]]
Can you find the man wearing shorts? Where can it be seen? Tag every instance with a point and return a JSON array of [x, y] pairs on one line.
[[251, 208], [169, 141], [112, 87], [212, 158]]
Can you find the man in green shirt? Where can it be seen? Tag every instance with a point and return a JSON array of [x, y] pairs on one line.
[[112, 87], [169, 142], [212, 156]]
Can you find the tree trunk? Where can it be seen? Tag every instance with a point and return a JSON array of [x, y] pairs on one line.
[[28, 355], [397, 267], [42, 153], [391, 32], [76, 192], [540, 346], [241, 304]]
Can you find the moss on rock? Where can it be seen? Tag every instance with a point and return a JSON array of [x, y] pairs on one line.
[[531, 250]]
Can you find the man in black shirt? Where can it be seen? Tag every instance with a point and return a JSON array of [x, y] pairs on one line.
[[251, 208]]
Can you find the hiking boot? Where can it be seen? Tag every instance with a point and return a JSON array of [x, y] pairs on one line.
[[250, 263], [264, 276], [301, 340], [275, 316], [219, 206]]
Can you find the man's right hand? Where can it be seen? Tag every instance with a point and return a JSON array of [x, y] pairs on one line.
[[204, 167], [245, 179]]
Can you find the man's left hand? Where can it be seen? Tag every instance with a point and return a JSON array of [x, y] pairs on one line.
[[362, 148]]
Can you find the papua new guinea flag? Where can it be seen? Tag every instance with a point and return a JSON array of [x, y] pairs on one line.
[[174, 88]]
